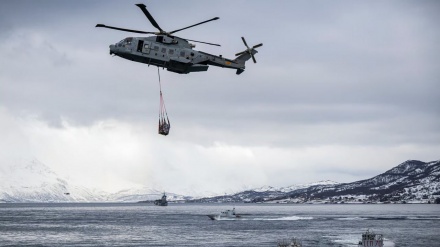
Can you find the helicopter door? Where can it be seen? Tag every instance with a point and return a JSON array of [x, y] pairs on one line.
[[146, 46], [140, 45], [143, 46]]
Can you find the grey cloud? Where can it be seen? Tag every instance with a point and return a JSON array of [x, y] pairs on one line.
[[339, 63], [356, 78]]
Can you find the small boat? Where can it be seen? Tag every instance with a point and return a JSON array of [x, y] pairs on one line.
[[228, 214], [294, 242], [371, 239]]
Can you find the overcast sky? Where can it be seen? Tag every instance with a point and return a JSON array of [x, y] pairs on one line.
[[343, 90]]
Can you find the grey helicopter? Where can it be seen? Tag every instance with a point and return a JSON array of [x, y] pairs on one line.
[[174, 53]]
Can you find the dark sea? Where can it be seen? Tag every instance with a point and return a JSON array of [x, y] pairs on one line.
[[187, 224]]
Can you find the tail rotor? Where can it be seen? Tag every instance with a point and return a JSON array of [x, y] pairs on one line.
[[250, 51]]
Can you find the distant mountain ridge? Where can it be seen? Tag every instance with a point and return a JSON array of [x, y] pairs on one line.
[[410, 182]]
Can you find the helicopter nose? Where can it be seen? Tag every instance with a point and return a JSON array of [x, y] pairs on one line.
[[112, 49]]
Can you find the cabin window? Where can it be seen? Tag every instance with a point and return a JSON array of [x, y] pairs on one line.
[[164, 50], [156, 48], [171, 52], [182, 53]]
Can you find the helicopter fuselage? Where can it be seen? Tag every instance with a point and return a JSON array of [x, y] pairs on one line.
[[173, 53]]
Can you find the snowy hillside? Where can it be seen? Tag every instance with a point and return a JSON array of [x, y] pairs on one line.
[[302, 186], [410, 182], [32, 181], [267, 192]]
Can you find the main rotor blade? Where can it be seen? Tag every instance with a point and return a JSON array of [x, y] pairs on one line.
[[203, 42], [149, 16], [256, 46], [123, 29], [213, 19], [244, 41]]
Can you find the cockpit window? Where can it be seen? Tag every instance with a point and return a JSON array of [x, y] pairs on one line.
[[128, 41]]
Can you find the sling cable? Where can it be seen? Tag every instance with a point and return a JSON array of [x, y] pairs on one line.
[[164, 121]]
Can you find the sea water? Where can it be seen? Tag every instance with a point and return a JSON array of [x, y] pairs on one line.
[[141, 224]]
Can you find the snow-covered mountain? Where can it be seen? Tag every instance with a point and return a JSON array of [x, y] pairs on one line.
[[32, 181], [411, 181]]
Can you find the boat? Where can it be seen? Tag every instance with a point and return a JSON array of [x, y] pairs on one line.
[[371, 239], [161, 202], [228, 214], [294, 242]]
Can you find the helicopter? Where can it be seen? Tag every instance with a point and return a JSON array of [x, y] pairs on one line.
[[174, 53]]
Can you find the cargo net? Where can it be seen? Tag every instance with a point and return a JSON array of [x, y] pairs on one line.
[[164, 121]]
